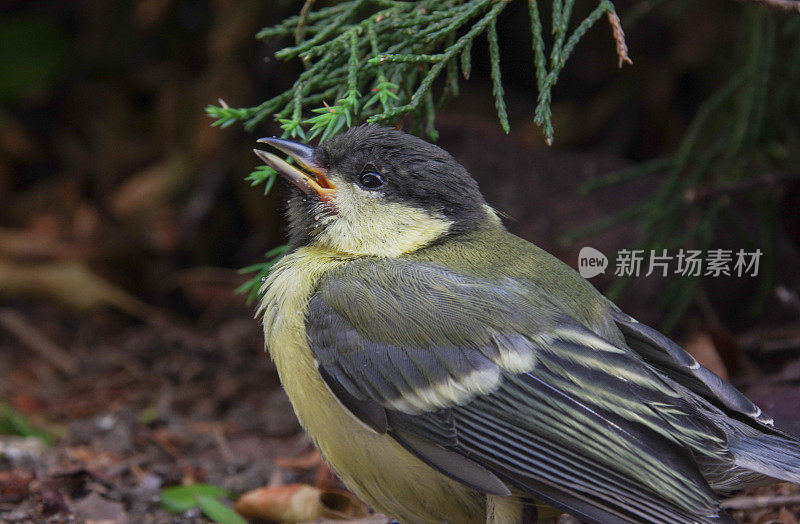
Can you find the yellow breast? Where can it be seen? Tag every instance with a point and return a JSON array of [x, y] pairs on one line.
[[374, 466]]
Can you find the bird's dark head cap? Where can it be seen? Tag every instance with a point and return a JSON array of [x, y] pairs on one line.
[[378, 191], [416, 172]]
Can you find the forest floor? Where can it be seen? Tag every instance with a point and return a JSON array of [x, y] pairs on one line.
[[129, 366], [123, 408]]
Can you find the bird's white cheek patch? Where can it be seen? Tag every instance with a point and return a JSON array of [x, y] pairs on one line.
[[452, 392], [366, 224]]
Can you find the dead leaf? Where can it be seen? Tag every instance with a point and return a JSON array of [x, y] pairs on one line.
[[373, 519], [29, 244], [701, 346], [71, 283], [151, 188], [785, 516], [299, 503], [95, 508], [14, 485]]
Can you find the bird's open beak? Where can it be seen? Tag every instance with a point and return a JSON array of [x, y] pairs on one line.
[[310, 177]]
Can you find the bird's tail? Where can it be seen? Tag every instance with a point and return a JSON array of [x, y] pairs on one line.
[[774, 456]]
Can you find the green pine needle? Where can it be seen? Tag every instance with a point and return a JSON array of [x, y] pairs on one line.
[[398, 50], [727, 145], [497, 84], [252, 288], [394, 52]]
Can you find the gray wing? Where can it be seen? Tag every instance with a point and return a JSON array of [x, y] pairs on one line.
[[669, 358], [496, 387]]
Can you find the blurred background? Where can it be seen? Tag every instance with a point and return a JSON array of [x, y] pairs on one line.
[[127, 362]]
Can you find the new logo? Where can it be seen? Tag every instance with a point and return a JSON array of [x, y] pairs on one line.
[[591, 262]]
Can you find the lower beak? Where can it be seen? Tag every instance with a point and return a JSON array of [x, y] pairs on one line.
[[310, 177]]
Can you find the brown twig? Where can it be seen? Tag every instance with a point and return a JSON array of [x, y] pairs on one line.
[[223, 446], [619, 38], [300, 32], [21, 244], [16, 324], [763, 501], [694, 195], [790, 6], [754, 338]]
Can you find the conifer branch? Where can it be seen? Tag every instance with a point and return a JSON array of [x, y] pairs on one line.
[[380, 60], [397, 50]]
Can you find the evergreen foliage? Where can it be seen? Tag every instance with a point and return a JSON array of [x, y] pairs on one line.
[[378, 60], [742, 143]]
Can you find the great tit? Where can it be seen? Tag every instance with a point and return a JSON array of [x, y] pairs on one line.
[[450, 371]]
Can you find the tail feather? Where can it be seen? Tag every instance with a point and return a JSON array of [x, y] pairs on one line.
[[773, 456]]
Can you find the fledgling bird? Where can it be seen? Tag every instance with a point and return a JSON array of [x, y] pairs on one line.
[[450, 371]]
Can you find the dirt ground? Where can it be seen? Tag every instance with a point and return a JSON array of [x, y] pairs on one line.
[[141, 405], [129, 365]]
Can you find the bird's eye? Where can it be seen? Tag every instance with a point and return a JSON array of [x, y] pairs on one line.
[[370, 180]]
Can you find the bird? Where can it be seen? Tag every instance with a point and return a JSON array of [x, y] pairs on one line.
[[452, 372]]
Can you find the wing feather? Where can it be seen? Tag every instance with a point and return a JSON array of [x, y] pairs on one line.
[[494, 386], [666, 355]]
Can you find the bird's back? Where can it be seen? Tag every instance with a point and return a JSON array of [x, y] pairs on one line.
[[494, 254], [408, 324], [753, 452]]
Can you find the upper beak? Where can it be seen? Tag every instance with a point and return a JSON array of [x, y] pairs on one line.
[[311, 178]]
